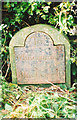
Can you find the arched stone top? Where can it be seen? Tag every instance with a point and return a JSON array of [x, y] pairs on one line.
[[37, 35], [57, 37], [38, 38], [57, 41]]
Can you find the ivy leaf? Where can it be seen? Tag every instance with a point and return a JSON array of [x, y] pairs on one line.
[[12, 4], [44, 17], [71, 89], [10, 34], [34, 6], [30, 12], [74, 71], [37, 11], [15, 2], [49, 3], [45, 9]]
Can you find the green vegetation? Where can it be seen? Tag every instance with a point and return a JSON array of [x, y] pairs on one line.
[[15, 16], [37, 102]]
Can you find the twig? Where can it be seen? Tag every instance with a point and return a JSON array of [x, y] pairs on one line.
[[63, 92], [7, 70], [17, 102], [60, 106], [26, 23], [68, 99], [57, 24], [4, 9], [74, 84], [11, 102], [3, 65], [56, 86], [48, 110]]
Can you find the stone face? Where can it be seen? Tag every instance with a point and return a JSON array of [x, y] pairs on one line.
[[40, 54], [39, 61]]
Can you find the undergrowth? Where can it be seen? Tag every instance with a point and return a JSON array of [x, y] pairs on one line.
[[37, 102]]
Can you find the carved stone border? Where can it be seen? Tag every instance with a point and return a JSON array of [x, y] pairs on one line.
[[19, 38]]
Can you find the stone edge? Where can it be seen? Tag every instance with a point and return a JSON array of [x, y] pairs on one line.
[[54, 34]]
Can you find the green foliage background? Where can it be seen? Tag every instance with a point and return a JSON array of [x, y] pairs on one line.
[[17, 15]]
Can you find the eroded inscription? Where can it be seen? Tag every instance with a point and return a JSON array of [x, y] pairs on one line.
[[39, 61]]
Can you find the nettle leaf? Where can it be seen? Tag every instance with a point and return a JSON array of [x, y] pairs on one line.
[[45, 9], [8, 107]]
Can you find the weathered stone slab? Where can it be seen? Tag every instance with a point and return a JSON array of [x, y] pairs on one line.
[[39, 54], [39, 61]]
